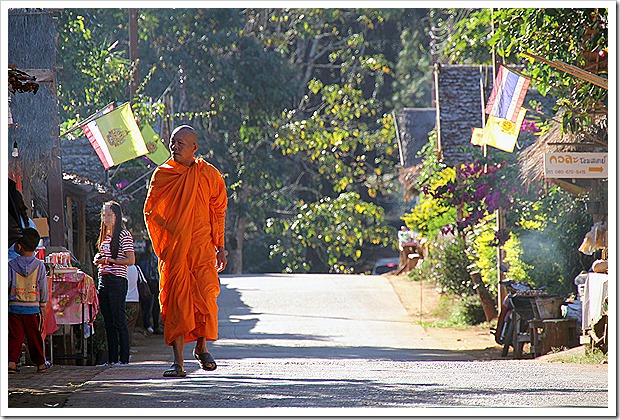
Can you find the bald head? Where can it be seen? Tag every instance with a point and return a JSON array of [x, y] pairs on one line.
[[184, 144], [185, 130]]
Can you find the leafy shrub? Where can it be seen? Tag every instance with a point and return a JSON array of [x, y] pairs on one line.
[[424, 271], [457, 312], [484, 253], [446, 265], [468, 311], [452, 266]]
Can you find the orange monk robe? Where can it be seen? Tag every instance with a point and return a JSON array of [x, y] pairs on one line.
[[184, 213]]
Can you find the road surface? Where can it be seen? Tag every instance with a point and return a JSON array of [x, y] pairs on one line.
[[337, 344]]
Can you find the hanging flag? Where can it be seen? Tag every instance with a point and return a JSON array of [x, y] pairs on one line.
[[501, 133], [507, 95], [158, 153], [115, 136], [477, 134], [109, 107]]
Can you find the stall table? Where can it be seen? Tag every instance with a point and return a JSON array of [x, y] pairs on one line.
[[73, 302]]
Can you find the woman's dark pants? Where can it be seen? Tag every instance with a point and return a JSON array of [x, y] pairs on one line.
[[112, 293]]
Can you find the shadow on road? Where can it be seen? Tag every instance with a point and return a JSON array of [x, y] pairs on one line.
[[237, 322]]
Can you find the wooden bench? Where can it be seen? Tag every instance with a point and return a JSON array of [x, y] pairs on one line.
[[547, 334]]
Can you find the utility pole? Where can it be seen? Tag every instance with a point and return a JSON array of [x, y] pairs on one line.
[[500, 224], [134, 56]]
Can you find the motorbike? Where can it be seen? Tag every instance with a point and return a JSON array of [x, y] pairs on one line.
[[516, 310]]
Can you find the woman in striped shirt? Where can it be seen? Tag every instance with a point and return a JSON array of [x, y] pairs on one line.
[[116, 252]]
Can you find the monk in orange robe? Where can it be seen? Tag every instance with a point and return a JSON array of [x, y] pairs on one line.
[[185, 211]]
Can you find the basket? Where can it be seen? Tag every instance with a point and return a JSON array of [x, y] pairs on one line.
[[523, 306], [548, 307]]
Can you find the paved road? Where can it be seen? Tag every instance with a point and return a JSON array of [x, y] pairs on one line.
[[336, 342]]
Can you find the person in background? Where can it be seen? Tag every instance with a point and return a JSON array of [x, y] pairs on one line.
[[150, 306], [132, 300], [28, 295], [185, 214], [18, 217], [116, 253]]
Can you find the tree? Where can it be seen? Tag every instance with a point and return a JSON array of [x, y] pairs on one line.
[[231, 89], [337, 131], [334, 229], [248, 79], [413, 72], [570, 35], [95, 70]]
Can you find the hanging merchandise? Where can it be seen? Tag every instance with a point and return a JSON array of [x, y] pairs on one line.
[[115, 136]]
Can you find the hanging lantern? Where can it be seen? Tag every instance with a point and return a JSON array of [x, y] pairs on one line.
[[15, 152]]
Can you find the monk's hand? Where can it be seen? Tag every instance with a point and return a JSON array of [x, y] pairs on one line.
[[220, 259]]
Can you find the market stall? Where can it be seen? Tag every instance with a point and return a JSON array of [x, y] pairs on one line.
[[73, 303], [592, 287]]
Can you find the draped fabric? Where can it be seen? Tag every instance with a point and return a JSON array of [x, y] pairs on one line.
[[185, 215]]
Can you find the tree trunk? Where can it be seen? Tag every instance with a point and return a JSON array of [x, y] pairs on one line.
[[236, 233], [488, 304], [235, 251]]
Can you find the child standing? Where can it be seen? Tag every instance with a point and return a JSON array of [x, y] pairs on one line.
[[28, 295]]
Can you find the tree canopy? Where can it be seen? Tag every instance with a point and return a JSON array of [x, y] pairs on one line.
[[290, 104]]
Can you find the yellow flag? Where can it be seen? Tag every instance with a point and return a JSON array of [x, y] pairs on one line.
[[477, 134], [115, 136], [501, 133], [158, 153]]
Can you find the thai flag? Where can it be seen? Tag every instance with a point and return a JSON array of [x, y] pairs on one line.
[[507, 95]]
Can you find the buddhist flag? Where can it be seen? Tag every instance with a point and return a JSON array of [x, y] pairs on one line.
[[507, 95], [501, 133], [157, 150], [115, 136]]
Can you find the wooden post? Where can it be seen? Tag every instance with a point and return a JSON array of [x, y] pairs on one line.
[[70, 245], [501, 291], [54, 199], [134, 56], [81, 245]]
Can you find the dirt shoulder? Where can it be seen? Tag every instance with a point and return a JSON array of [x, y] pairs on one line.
[[421, 299]]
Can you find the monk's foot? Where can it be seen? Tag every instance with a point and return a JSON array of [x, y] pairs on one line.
[[175, 371], [206, 360]]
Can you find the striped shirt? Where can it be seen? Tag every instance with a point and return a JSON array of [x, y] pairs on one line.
[[125, 245]]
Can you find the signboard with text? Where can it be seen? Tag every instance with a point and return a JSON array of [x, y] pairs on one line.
[[575, 165]]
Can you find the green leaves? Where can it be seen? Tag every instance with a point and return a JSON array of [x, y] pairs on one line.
[[335, 229], [102, 67], [568, 35], [331, 138]]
